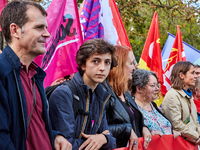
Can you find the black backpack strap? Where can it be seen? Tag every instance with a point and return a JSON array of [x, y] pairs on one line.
[[49, 90], [76, 100]]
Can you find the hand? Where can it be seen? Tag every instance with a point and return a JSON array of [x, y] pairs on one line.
[[197, 142], [61, 143], [157, 133], [93, 142], [133, 138], [106, 132], [146, 134], [176, 134], [58, 81]]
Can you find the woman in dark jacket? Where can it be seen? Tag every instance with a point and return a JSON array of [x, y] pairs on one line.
[[124, 119]]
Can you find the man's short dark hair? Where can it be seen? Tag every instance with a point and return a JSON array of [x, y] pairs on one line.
[[94, 46], [15, 12]]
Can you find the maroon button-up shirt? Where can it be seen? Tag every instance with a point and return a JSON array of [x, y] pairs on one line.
[[37, 136]]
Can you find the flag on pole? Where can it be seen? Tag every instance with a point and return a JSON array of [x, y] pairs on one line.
[[64, 42], [2, 5], [151, 54], [177, 54], [101, 19], [191, 53]]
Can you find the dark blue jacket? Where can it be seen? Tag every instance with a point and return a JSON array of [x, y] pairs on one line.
[[13, 108], [62, 113]]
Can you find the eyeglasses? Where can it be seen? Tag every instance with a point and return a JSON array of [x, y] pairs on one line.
[[153, 86]]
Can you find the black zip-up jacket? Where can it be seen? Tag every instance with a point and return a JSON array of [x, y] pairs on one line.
[[118, 119]]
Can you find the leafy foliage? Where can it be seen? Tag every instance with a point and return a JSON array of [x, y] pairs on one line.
[[137, 15]]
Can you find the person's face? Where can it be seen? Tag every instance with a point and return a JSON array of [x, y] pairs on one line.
[[96, 69], [197, 71], [189, 78], [196, 94], [130, 67], [151, 89], [34, 33]]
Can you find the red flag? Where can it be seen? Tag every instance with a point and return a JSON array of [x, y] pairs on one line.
[[197, 103], [2, 5], [64, 42], [166, 142], [101, 19], [151, 55], [177, 54], [117, 22]]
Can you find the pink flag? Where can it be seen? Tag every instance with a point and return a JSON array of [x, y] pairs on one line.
[[2, 5], [64, 42]]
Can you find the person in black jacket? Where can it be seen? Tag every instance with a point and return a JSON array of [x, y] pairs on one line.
[[145, 88], [124, 119]]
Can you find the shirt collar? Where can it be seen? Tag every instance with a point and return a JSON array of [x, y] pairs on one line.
[[31, 69], [183, 94]]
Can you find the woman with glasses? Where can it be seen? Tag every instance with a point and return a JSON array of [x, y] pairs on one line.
[[145, 88], [178, 105]]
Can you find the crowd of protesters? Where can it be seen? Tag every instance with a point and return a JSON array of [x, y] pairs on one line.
[[107, 104]]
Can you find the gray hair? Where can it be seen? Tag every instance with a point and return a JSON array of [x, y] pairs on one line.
[[140, 78]]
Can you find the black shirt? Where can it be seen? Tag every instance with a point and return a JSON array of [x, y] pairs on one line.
[[134, 117]]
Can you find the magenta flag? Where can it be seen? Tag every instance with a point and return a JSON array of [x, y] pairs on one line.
[[64, 42], [2, 5]]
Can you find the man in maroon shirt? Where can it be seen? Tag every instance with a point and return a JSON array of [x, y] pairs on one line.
[[24, 114]]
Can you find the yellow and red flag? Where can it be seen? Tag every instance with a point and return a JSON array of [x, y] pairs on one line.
[[177, 54], [151, 55]]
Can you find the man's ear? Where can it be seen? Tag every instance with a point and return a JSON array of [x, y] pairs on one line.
[[14, 30], [181, 75]]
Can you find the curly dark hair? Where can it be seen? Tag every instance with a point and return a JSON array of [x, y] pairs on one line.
[[90, 47]]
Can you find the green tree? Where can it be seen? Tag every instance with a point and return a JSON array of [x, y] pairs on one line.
[[137, 15]]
